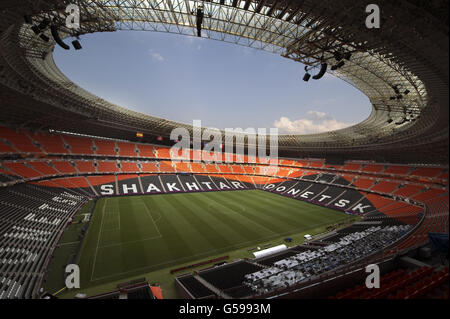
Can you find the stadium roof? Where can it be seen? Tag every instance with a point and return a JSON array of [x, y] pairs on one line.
[[409, 53]]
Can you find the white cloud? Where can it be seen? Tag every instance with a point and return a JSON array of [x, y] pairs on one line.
[[156, 56], [314, 122]]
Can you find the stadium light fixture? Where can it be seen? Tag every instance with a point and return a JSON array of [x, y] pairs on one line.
[[306, 77], [77, 45], [44, 24], [36, 29], [340, 64], [57, 39], [337, 56], [396, 90], [44, 37], [323, 70]]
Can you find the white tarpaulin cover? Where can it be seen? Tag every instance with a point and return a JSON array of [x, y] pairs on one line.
[[269, 251]]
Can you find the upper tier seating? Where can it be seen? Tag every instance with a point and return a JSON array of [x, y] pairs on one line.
[[126, 149], [400, 284], [21, 169], [50, 143], [146, 150], [64, 167], [107, 167], [19, 140], [79, 145], [373, 168], [105, 147], [85, 166], [427, 171], [397, 169], [128, 167], [385, 187], [43, 168], [5, 149]]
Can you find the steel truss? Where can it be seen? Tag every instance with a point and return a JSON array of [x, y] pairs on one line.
[[293, 31]]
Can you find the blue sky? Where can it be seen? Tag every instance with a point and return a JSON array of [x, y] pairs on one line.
[[184, 78]]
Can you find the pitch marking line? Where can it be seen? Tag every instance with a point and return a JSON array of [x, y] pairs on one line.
[[130, 242], [112, 215], [70, 243], [222, 249], [118, 213], [98, 239], [151, 217]]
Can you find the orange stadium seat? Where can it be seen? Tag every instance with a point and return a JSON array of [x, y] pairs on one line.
[[146, 150], [379, 201], [211, 168], [107, 167], [79, 145], [50, 143], [44, 168], [237, 169], [443, 176], [363, 183], [373, 168], [73, 182], [85, 166], [404, 212], [316, 164], [385, 187], [128, 167], [245, 179], [105, 147], [426, 171], [225, 169], [6, 171], [182, 167], [197, 168], [249, 169], [163, 152], [22, 170], [20, 140], [6, 149], [301, 163], [287, 162], [99, 180], [127, 149], [429, 194], [348, 177], [296, 173], [166, 167], [149, 167], [352, 167], [283, 172], [64, 167], [397, 169], [408, 190]]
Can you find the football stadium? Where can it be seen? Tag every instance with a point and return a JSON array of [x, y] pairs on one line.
[[99, 201]]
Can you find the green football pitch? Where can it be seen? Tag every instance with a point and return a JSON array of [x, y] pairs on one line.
[[130, 236]]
